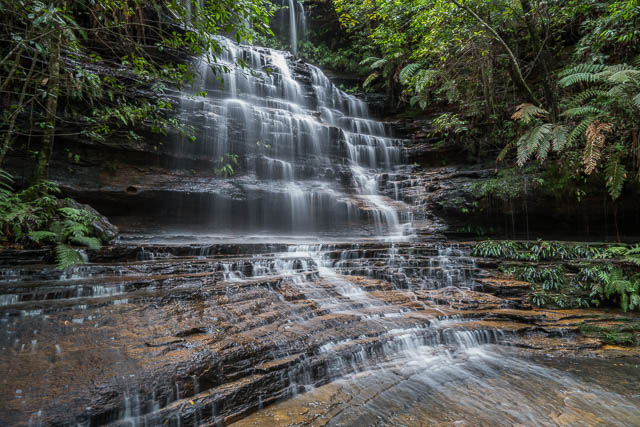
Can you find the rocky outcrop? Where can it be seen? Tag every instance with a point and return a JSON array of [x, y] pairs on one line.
[[206, 334]]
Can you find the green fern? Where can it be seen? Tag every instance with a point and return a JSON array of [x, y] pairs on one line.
[[43, 236], [379, 64], [408, 72], [370, 79], [583, 68], [368, 61], [559, 137], [90, 242], [615, 176], [632, 255], [573, 79], [585, 110], [580, 98], [530, 142], [66, 256], [580, 130]]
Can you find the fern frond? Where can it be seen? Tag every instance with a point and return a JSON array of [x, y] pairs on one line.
[[577, 112], [369, 60], [66, 256], [370, 79], [615, 176], [625, 76], [40, 236], [75, 229], [408, 72], [636, 100], [378, 64], [90, 242], [424, 79], [617, 91], [527, 112], [559, 136], [586, 78], [595, 141], [503, 153], [579, 130], [583, 68], [580, 98], [532, 141]]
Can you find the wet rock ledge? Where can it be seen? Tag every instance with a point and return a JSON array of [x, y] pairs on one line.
[[167, 335]]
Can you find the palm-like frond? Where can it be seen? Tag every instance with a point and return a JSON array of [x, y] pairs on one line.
[[615, 176], [531, 141], [408, 72], [379, 63], [527, 112], [559, 136], [595, 141], [577, 112], [583, 68], [43, 236], [572, 79], [66, 256], [370, 79], [582, 97], [369, 60], [90, 242], [625, 76], [579, 131]]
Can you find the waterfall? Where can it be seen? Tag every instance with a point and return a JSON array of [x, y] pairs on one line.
[[297, 22], [311, 155], [292, 27]]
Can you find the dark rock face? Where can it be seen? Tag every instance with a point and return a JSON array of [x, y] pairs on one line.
[[185, 334], [278, 147], [100, 225]]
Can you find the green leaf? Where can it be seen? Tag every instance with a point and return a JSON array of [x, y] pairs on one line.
[[615, 176], [66, 256]]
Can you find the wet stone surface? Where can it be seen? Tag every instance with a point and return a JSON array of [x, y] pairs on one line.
[[211, 334]]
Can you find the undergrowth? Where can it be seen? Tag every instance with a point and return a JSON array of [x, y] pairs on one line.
[[36, 216]]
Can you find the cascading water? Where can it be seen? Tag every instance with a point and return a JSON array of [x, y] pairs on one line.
[[296, 21], [310, 154]]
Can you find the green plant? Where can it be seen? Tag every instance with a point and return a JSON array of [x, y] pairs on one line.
[[615, 285], [26, 210], [224, 165], [539, 299], [496, 249], [35, 215], [73, 227]]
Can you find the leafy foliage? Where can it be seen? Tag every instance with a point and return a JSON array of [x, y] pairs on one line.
[[34, 215], [594, 284], [105, 68]]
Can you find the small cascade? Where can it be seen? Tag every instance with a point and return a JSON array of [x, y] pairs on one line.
[[250, 324]]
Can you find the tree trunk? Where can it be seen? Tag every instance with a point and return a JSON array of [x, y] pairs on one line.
[[41, 169], [517, 72], [549, 93]]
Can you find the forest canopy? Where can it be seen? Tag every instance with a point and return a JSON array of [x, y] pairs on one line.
[[553, 83]]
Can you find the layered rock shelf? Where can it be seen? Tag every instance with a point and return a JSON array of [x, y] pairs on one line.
[[171, 334]]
